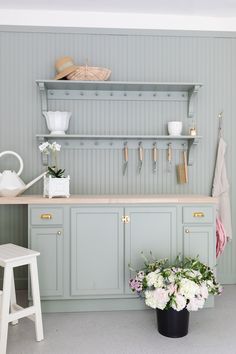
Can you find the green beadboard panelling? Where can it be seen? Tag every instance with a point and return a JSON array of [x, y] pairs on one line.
[[151, 56]]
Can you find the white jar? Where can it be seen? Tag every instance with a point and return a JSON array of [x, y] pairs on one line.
[[175, 128], [57, 122]]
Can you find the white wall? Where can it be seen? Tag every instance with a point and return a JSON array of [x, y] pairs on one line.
[[115, 20]]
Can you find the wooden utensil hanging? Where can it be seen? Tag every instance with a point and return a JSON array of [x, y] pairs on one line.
[[182, 169]]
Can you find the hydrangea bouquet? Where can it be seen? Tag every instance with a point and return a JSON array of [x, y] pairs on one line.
[[186, 284]]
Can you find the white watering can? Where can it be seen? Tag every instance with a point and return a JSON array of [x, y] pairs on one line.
[[11, 184]]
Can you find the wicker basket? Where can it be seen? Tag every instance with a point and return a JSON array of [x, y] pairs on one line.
[[89, 73]]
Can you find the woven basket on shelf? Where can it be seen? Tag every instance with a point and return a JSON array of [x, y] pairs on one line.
[[89, 73]]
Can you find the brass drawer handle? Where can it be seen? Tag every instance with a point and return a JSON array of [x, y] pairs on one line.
[[198, 214], [46, 216]]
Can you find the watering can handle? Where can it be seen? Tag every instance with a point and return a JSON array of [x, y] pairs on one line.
[[16, 155]]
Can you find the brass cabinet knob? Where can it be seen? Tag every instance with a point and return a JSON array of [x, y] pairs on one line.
[[59, 233], [198, 214], [125, 219], [187, 231], [46, 216]]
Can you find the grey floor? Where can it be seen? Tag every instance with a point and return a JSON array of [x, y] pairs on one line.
[[129, 332]]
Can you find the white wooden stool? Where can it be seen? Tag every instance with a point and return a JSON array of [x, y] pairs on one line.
[[14, 256]]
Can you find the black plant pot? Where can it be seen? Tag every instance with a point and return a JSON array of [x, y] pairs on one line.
[[172, 323]]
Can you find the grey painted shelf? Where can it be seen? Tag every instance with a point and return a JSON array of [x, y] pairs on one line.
[[118, 90], [123, 91], [162, 142]]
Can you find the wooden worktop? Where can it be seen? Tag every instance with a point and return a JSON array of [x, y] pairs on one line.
[[110, 199]]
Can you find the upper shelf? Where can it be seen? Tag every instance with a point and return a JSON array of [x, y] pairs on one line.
[[118, 90]]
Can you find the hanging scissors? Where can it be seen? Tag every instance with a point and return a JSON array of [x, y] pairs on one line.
[[154, 157], [126, 158], [140, 155], [169, 157]]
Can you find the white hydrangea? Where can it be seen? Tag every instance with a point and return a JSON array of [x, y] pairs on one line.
[[162, 298], [203, 291], [151, 278], [195, 304], [149, 299], [157, 298], [188, 288], [180, 302], [159, 281]]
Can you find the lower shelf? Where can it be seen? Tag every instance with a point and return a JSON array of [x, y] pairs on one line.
[[162, 142]]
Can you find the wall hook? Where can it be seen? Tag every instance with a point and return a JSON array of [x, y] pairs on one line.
[[220, 116]]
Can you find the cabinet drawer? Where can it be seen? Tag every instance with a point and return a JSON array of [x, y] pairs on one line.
[[46, 216], [198, 215]]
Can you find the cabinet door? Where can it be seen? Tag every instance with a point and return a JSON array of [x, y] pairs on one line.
[[96, 251], [199, 241], [149, 229], [49, 242]]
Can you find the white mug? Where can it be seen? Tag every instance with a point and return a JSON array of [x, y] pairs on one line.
[[175, 128]]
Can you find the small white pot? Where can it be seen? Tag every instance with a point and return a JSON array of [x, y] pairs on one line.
[[56, 187], [175, 128], [57, 122]]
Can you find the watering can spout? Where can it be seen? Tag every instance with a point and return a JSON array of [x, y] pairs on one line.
[[35, 180]]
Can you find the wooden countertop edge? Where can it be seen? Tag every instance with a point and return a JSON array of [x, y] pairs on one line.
[[105, 199]]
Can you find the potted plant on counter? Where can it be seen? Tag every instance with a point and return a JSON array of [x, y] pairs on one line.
[[174, 290], [55, 183]]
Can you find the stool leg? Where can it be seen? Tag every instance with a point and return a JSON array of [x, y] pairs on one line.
[[13, 296], [5, 309], [36, 299]]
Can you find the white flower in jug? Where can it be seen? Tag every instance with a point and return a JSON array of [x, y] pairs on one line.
[[52, 150]]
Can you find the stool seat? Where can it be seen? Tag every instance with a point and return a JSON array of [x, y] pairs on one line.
[[11, 253], [12, 256]]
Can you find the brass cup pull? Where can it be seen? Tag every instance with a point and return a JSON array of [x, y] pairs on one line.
[[46, 216], [198, 214]]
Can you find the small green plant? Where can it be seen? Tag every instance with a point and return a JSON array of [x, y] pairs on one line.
[[56, 173]]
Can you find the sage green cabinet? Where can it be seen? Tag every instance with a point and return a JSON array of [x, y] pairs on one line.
[[149, 229], [85, 249], [97, 251], [199, 240], [49, 242], [199, 233]]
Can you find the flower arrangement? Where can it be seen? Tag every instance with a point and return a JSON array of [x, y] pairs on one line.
[[185, 284], [52, 150]]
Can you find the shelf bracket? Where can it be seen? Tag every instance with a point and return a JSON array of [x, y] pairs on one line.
[[192, 143], [43, 95], [191, 100]]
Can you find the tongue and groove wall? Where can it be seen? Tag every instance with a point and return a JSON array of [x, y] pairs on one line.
[[28, 54]]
